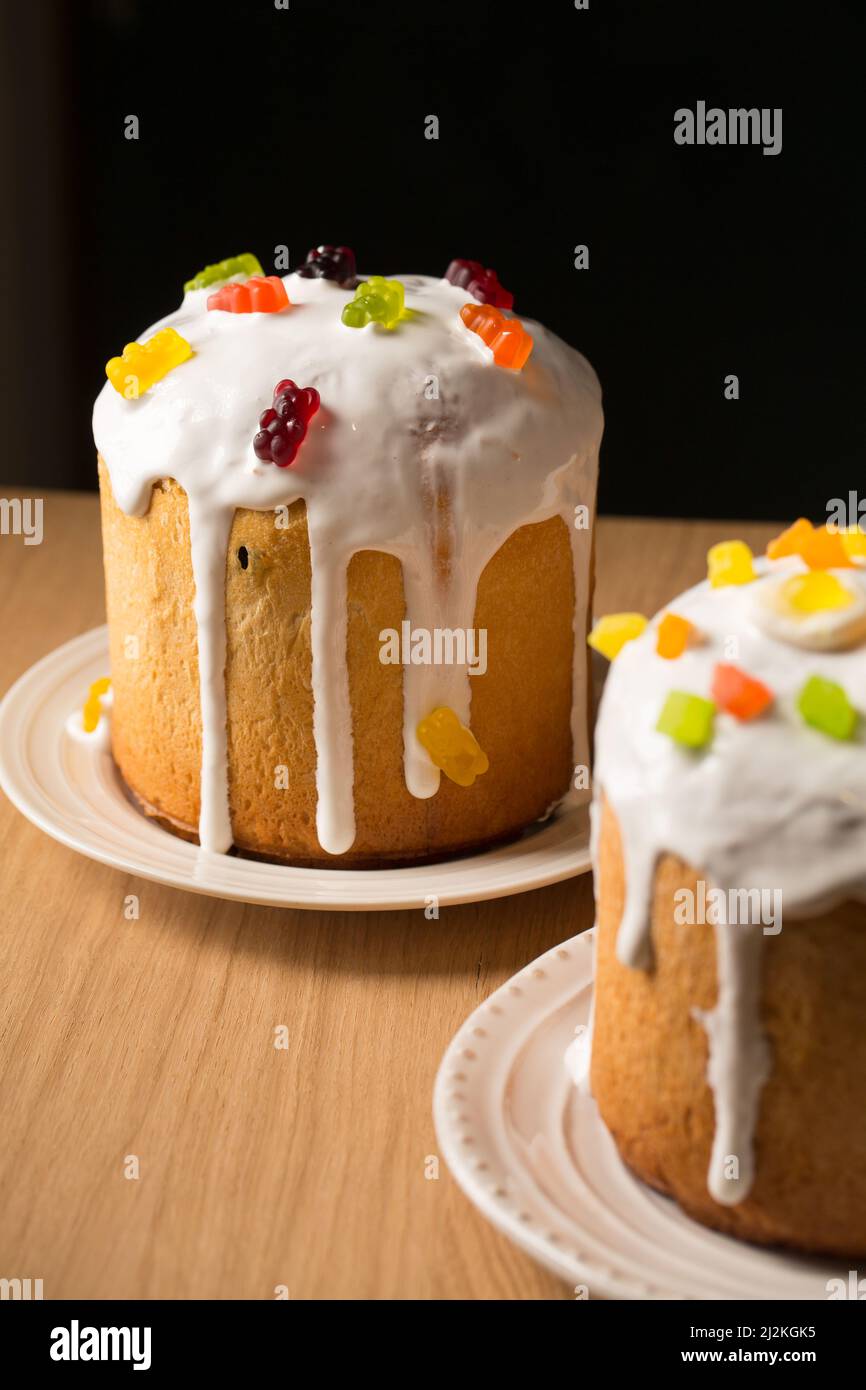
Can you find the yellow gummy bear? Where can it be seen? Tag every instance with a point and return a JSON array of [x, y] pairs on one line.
[[611, 633], [92, 706], [730, 562], [815, 592], [452, 747], [144, 363]]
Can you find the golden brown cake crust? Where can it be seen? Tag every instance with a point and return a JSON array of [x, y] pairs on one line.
[[649, 1059], [521, 708]]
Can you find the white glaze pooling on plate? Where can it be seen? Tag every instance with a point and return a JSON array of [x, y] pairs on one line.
[[422, 448], [769, 804]]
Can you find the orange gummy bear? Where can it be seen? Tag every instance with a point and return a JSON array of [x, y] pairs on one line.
[[261, 294], [673, 636], [507, 339], [738, 693], [818, 546]]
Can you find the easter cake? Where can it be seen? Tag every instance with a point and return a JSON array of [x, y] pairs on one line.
[[728, 1053], [348, 557]]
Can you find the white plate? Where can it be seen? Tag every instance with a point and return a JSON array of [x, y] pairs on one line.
[[72, 791], [529, 1148]]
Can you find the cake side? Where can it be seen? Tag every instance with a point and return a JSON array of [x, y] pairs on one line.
[[525, 604], [650, 1055]]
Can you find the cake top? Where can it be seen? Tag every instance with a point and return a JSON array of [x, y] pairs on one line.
[[405, 385], [731, 730]]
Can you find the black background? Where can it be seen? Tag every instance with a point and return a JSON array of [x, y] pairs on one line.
[[261, 127]]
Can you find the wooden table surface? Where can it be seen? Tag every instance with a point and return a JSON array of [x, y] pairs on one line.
[[258, 1167]]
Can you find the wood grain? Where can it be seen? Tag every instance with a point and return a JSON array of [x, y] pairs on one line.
[[258, 1167]]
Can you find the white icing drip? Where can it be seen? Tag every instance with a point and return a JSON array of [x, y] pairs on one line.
[[770, 804], [739, 1060], [503, 448]]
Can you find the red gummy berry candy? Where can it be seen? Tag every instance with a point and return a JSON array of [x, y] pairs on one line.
[[283, 426], [482, 284], [261, 294], [330, 263]]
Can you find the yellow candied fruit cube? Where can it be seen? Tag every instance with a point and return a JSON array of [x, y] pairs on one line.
[[142, 364], [452, 747], [815, 592], [730, 562], [610, 633], [92, 705]]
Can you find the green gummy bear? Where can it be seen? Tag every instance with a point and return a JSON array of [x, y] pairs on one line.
[[377, 300], [688, 719], [825, 706], [246, 264]]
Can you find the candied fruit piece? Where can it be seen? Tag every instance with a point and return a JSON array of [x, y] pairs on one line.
[[142, 364], [283, 426], [92, 710], [730, 562], [377, 300], [507, 339], [482, 284], [674, 635], [245, 264], [687, 719], [610, 634], [452, 747], [815, 592], [738, 693], [258, 295], [824, 704], [818, 546], [330, 263], [854, 541]]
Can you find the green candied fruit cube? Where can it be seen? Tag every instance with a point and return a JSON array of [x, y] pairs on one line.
[[825, 706], [687, 718], [246, 264]]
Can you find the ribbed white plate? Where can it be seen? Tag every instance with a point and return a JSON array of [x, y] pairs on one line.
[[72, 791], [529, 1148]]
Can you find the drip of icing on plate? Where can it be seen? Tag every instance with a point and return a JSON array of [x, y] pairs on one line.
[[422, 447], [769, 803]]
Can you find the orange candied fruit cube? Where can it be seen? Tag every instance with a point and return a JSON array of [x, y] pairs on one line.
[[673, 636], [818, 546], [739, 693]]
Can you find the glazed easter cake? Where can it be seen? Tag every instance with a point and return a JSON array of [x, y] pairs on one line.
[[347, 562], [729, 828]]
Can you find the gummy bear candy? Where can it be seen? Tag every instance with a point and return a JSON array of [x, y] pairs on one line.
[[330, 263], [610, 634], [673, 636], [283, 426], [815, 592], [730, 562], [507, 339], [258, 295], [452, 747], [245, 264], [144, 363], [480, 283], [818, 546], [825, 706], [377, 300], [738, 693], [92, 711], [687, 719]]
